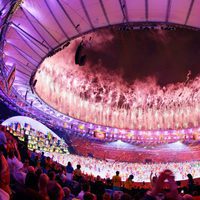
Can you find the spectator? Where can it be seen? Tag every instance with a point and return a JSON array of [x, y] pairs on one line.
[[3, 141], [38, 172], [117, 195], [32, 158], [85, 188], [69, 170], [187, 197], [36, 162], [31, 180], [128, 185], [60, 177], [116, 181], [43, 181], [68, 195], [190, 183], [27, 194], [25, 153], [109, 183], [26, 165], [52, 176], [125, 196], [42, 160], [161, 190], [31, 169], [4, 179], [106, 196], [48, 164], [99, 188], [153, 179], [77, 173], [16, 168], [55, 191], [10, 146], [89, 196]]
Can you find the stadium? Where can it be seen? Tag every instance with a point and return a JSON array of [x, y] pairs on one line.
[[112, 85]]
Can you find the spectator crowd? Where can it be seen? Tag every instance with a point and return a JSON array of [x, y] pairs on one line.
[[32, 175]]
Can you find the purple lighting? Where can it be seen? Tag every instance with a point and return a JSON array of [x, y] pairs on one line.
[[33, 35]]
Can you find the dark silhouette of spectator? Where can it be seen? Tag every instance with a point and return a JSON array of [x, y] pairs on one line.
[[125, 196], [99, 188], [190, 184], [55, 191], [43, 181], [85, 188], [31, 181], [68, 195], [32, 157], [89, 196], [42, 160], [48, 164], [27, 194], [52, 176], [109, 183], [117, 195], [3, 140], [4, 179], [38, 172], [106, 196]]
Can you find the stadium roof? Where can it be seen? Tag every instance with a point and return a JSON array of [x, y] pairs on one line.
[[38, 26]]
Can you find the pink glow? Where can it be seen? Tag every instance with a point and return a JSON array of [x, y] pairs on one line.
[[71, 89]]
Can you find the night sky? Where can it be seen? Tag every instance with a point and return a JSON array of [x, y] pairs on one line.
[[137, 54]]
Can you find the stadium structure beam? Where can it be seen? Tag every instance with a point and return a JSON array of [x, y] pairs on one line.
[[104, 11], [35, 28], [43, 27], [20, 50], [29, 35], [68, 17], [57, 22], [168, 10], [28, 44], [146, 10], [189, 11], [124, 10], [86, 13], [21, 64]]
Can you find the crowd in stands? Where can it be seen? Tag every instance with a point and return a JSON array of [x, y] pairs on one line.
[[31, 175]]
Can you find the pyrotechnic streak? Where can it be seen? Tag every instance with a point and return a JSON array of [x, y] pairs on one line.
[[94, 94]]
